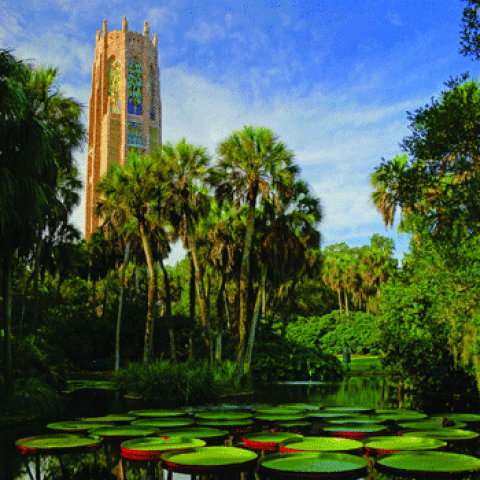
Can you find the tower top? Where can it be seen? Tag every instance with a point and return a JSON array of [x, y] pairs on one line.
[[124, 23]]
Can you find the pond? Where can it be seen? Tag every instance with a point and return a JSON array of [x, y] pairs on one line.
[[370, 391]]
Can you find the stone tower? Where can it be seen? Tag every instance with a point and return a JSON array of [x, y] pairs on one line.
[[125, 107]]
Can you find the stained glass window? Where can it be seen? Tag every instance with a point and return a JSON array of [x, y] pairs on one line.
[[135, 134], [152, 93], [113, 88], [134, 87]]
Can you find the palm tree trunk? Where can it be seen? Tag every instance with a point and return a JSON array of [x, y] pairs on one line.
[[346, 301], [36, 267], [204, 312], [339, 301], [251, 339], [192, 310], [168, 301], [7, 319], [152, 288], [120, 304]]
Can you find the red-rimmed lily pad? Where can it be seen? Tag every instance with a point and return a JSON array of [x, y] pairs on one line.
[[209, 459], [325, 464], [162, 412], [210, 435], [123, 432], [348, 410], [321, 444], [152, 448], [164, 422], [355, 431], [445, 434], [428, 424], [223, 415], [268, 440], [58, 443], [428, 464], [75, 426], [399, 444]]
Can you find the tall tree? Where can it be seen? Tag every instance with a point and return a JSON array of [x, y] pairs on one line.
[[252, 164]]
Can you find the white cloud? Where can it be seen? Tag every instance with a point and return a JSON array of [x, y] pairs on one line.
[[204, 32]]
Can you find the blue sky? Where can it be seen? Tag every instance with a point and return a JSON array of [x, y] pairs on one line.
[[332, 80]]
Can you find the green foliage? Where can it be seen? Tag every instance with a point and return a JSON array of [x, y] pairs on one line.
[[35, 396], [189, 381], [331, 331], [279, 359]]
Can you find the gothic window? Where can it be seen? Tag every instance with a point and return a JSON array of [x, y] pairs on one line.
[[135, 134], [113, 87], [134, 88], [152, 93]]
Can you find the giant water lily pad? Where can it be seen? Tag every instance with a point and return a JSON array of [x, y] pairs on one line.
[[445, 434], [223, 415], [398, 444], [226, 423], [123, 432], [401, 415], [354, 429], [322, 414], [208, 458], [428, 424], [58, 443], [152, 448], [267, 440], [162, 412], [433, 464], [282, 418], [204, 433], [361, 419], [164, 422], [278, 411], [303, 407], [320, 444], [112, 418], [460, 417], [288, 465], [348, 410], [75, 426]]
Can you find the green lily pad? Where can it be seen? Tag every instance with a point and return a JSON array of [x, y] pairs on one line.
[[226, 423], [428, 424], [324, 462], [320, 444], [110, 419], [223, 415], [195, 432], [164, 422], [445, 434], [277, 411], [57, 443], [209, 457], [282, 418], [123, 432], [75, 426], [322, 414], [460, 417], [294, 424], [348, 410], [300, 406], [401, 415], [158, 413], [366, 428], [397, 444], [428, 462], [361, 419], [269, 438], [152, 448]]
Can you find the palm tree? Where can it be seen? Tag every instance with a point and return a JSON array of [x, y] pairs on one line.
[[185, 202], [130, 194], [33, 148], [252, 164]]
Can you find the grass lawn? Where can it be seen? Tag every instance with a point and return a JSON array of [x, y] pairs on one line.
[[364, 363]]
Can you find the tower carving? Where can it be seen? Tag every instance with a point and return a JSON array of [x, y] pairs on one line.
[[125, 106]]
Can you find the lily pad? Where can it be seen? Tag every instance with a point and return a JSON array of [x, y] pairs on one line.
[[282, 418], [360, 419], [199, 459], [294, 424], [61, 442], [346, 429], [401, 415], [445, 434], [320, 444], [75, 426], [303, 407], [398, 444], [428, 424], [210, 435], [158, 413], [438, 464], [224, 415], [123, 432], [322, 414], [164, 422], [226, 423], [277, 411], [460, 417], [152, 448], [267, 440], [112, 418], [348, 410], [283, 465]]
